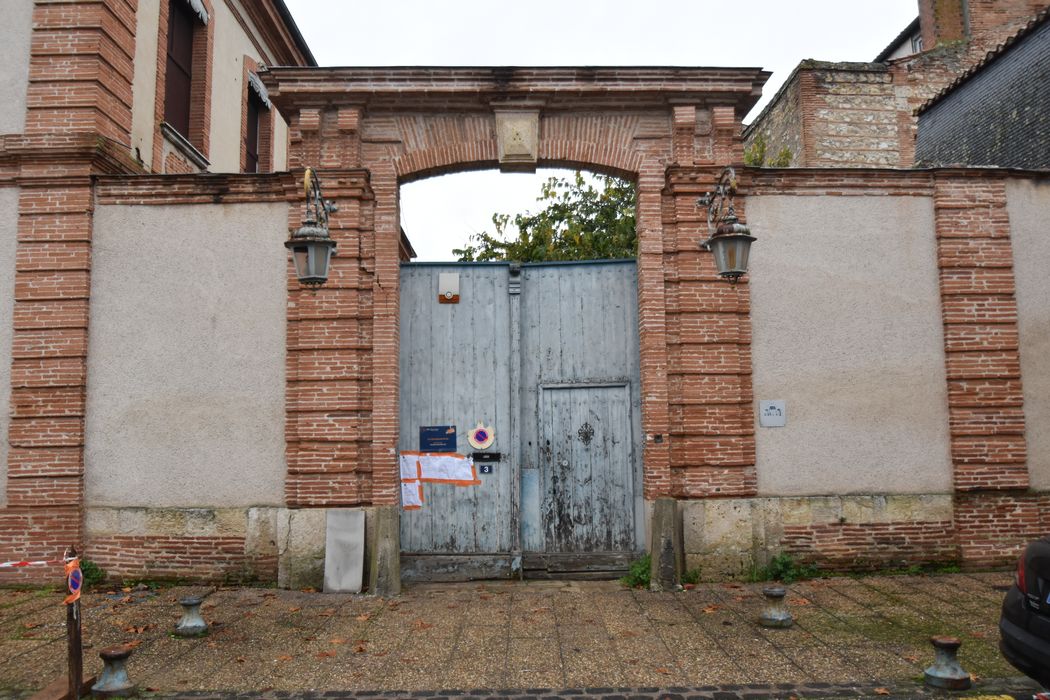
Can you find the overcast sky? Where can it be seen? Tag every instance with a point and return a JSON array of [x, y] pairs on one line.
[[440, 213]]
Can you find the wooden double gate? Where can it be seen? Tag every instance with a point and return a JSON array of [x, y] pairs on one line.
[[546, 355]]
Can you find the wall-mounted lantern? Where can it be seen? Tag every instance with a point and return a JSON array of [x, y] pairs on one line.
[[312, 248], [729, 240]]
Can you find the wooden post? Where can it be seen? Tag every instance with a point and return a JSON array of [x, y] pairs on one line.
[[75, 652]]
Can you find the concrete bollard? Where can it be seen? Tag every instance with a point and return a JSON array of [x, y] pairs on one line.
[[776, 614], [113, 681], [946, 672], [191, 624]]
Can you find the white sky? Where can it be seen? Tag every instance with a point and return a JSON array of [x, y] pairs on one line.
[[440, 213]]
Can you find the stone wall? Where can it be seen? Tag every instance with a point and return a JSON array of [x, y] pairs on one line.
[[781, 124], [729, 538], [863, 114]]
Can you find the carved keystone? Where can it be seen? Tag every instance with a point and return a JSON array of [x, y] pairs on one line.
[[518, 139]]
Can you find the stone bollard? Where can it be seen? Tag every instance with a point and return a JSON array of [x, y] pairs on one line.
[[776, 614], [113, 682], [946, 672], [191, 624]]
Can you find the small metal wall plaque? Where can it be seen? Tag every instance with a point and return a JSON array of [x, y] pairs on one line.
[[772, 414], [485, 467], [437, 438]]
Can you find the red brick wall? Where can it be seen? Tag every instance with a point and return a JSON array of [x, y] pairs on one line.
[[852, 546], [204, 558], [79, 90], [980, 333], [942, 22], [81, 68], [985, 403]]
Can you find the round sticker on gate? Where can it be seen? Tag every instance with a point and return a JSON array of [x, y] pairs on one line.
[[481, 437]]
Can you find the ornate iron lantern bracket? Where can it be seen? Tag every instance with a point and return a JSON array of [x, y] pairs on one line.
[[728, 239], [312, 248]]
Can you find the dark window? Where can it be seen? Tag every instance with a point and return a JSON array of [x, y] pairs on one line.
[[256, 112], [179, 72]]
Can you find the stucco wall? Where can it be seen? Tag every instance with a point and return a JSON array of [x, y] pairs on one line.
[[1028, 204], [144, 83], [8, 245], [847, 330], [185, 403], [14, 57]]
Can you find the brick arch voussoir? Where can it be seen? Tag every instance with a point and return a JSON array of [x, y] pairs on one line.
[[482, 155]]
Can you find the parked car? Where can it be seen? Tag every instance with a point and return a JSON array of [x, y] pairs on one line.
[[1025, 623]]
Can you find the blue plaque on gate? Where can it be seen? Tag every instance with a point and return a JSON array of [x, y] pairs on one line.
[[437, 438]]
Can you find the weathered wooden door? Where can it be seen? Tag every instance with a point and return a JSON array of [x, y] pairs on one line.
[[586, 466], [547, 355], [455, 371]]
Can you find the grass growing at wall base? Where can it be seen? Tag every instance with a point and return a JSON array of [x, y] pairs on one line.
[[638, 575], [785, 569]]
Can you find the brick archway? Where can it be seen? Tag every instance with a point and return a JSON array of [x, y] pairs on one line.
[[669, 129]]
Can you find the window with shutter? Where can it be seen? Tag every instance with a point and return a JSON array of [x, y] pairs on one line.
[[178, 77]]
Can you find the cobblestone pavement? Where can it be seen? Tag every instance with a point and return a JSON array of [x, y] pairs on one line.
[[853, 637]]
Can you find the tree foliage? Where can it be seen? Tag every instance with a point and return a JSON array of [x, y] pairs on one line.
[[578, 222]]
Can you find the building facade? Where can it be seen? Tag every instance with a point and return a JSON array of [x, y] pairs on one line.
[[181, 407], [90, 88], [836, 114]]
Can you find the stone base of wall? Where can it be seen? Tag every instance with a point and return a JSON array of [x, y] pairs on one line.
[[724, 538], [224, 545], [730, 538]]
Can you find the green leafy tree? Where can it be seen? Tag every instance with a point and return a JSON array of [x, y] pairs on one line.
[[578, 222]]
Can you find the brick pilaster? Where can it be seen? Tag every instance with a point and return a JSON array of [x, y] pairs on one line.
[[708, 341], [986, 412], [330, 358], [78, 120], [652, 329]]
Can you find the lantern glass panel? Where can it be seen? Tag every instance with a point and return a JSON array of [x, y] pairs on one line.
[[300, 254], [319, 258], [731, 253]]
